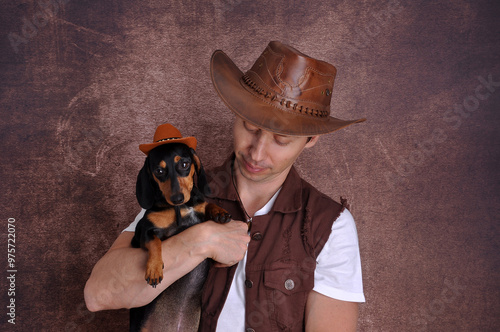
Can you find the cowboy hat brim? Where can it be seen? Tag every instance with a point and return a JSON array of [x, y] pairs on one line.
[[226, 78], [189, 141]]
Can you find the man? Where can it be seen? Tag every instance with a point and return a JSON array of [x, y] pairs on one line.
[[299, 266]]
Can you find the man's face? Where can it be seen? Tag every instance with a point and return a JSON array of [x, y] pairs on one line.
[[263, 156]]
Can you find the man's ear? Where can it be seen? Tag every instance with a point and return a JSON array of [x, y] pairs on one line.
[[312, 141]]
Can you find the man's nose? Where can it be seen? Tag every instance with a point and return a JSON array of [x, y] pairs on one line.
[[258, 149]]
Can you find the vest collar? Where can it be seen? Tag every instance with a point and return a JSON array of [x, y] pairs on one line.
[[289, 199]]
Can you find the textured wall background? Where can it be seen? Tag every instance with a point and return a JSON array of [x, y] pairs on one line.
[[84, 82]]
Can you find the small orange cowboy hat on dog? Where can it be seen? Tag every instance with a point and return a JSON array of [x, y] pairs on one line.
[[167, 134]]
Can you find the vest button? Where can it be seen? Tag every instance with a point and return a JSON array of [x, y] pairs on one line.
[[250, 330], [257, 236], [248, 283], [289, 284]]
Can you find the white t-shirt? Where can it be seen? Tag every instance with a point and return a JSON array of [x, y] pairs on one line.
[[337, 275]]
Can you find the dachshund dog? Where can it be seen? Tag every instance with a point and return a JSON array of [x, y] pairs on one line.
[[166, 189]]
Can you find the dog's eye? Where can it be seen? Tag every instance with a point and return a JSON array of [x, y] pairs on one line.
[[159, 171], [184, 165]]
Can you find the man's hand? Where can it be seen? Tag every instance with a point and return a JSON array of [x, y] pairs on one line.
[[225, 243]]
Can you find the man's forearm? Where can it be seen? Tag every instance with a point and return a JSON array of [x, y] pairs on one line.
[[117, 280]]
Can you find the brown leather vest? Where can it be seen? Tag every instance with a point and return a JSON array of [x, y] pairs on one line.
[[281, 256]]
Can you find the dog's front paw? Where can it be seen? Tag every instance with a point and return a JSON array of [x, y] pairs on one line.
[[154, 273], [222, 218], [217, 214]]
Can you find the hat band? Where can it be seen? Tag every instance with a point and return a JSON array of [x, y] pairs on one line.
[[290, 105], [167, 139]]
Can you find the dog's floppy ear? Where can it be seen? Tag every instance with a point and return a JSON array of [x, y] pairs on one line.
[[144, 188], [202, 182]]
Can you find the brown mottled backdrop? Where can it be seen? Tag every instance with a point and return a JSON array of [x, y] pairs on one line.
[[84, 82]]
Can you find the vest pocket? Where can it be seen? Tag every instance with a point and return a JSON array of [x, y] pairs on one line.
[[287, 288]]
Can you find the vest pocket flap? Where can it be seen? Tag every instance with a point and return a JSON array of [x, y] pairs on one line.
[[289, 279]]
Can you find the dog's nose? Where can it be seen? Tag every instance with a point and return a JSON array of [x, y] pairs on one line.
[[177, 198]]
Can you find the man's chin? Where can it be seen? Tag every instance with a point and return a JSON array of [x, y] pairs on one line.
[[250, 172]]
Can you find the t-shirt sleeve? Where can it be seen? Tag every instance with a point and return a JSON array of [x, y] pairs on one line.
[[131, 227], [338, 270]]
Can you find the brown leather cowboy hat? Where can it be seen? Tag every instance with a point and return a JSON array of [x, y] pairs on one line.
[[167, 134], [285, 91]]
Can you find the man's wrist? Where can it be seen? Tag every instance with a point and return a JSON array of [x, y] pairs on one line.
[[198, 241]]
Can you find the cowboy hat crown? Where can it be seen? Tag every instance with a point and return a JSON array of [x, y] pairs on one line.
[[167, 134]]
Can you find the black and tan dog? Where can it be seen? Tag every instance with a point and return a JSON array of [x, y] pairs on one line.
[[166, 189]]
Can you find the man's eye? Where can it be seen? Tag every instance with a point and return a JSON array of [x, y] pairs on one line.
[[282, 140], [250, 127], [159, 171], [281, 143]]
